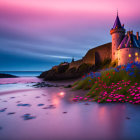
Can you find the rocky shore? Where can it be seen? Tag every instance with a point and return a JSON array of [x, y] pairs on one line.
[[95, 59], [63, 72]]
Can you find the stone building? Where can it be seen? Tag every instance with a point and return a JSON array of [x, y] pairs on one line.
[[125, 47]]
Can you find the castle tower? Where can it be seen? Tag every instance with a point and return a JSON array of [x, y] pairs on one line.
[[118, 33]]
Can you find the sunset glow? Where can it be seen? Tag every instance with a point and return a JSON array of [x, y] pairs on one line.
[[43, 29]]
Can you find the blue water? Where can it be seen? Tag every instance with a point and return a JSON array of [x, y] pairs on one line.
[[23, 73]]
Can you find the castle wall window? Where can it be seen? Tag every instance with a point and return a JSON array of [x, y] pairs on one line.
[[136, 53]]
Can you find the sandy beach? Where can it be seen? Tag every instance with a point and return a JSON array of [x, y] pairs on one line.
[[48, 113]]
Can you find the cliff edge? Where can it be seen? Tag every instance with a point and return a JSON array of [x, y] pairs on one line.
[[92, 61]]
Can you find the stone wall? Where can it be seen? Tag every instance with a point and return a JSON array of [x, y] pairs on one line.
[[98, 54], [95, 56]]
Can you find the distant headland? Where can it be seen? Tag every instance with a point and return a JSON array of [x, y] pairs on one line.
[[2, 75]]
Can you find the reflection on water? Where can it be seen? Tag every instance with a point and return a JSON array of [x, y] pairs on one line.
[[53, 116]]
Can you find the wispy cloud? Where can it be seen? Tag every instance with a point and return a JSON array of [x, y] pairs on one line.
[[60, 29]]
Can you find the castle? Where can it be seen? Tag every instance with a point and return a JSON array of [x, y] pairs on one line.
[[125, 47]]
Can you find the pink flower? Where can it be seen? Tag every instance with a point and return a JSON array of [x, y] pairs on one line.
[[108, 100], [98, 101], [133, 94], [75, 99]]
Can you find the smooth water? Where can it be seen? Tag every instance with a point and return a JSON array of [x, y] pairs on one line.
[[57, 117]]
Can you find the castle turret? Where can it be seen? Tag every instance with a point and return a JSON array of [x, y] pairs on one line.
[[118, 33]]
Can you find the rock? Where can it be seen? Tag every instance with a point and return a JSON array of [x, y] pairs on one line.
[[43, 84], [127, 118], [60, 73], [40, 104], [2, 75], [24, 105], [68, 86], [5, 101], [64, 112], [50, 107], [37, 97], [28, 117], [3, 110], [11, 113], [12, 97]]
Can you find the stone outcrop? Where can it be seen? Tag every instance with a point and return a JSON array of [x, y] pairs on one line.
[[91, 61], [65, 73]]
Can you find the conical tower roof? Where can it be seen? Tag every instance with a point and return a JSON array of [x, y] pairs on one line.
[[117, 23]]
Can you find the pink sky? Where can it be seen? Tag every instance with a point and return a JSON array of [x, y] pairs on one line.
[[52, 26]]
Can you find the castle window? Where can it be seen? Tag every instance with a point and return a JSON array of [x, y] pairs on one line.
[[129, 55], [136, 53]]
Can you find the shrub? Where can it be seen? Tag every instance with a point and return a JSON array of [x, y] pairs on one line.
[[62, 68], [83, 68], [72, 70]]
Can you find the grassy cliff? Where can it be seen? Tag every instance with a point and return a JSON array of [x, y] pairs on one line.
[[120, 84]]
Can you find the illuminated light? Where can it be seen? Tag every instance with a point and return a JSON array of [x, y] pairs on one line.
[[136, 54], [55, 101], [129, 55], [61, 93]]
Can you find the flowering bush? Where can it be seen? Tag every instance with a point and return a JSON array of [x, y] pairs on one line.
[[120, 84]]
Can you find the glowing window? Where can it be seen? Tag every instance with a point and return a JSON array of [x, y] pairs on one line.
[[129, 55], [136, 54]]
